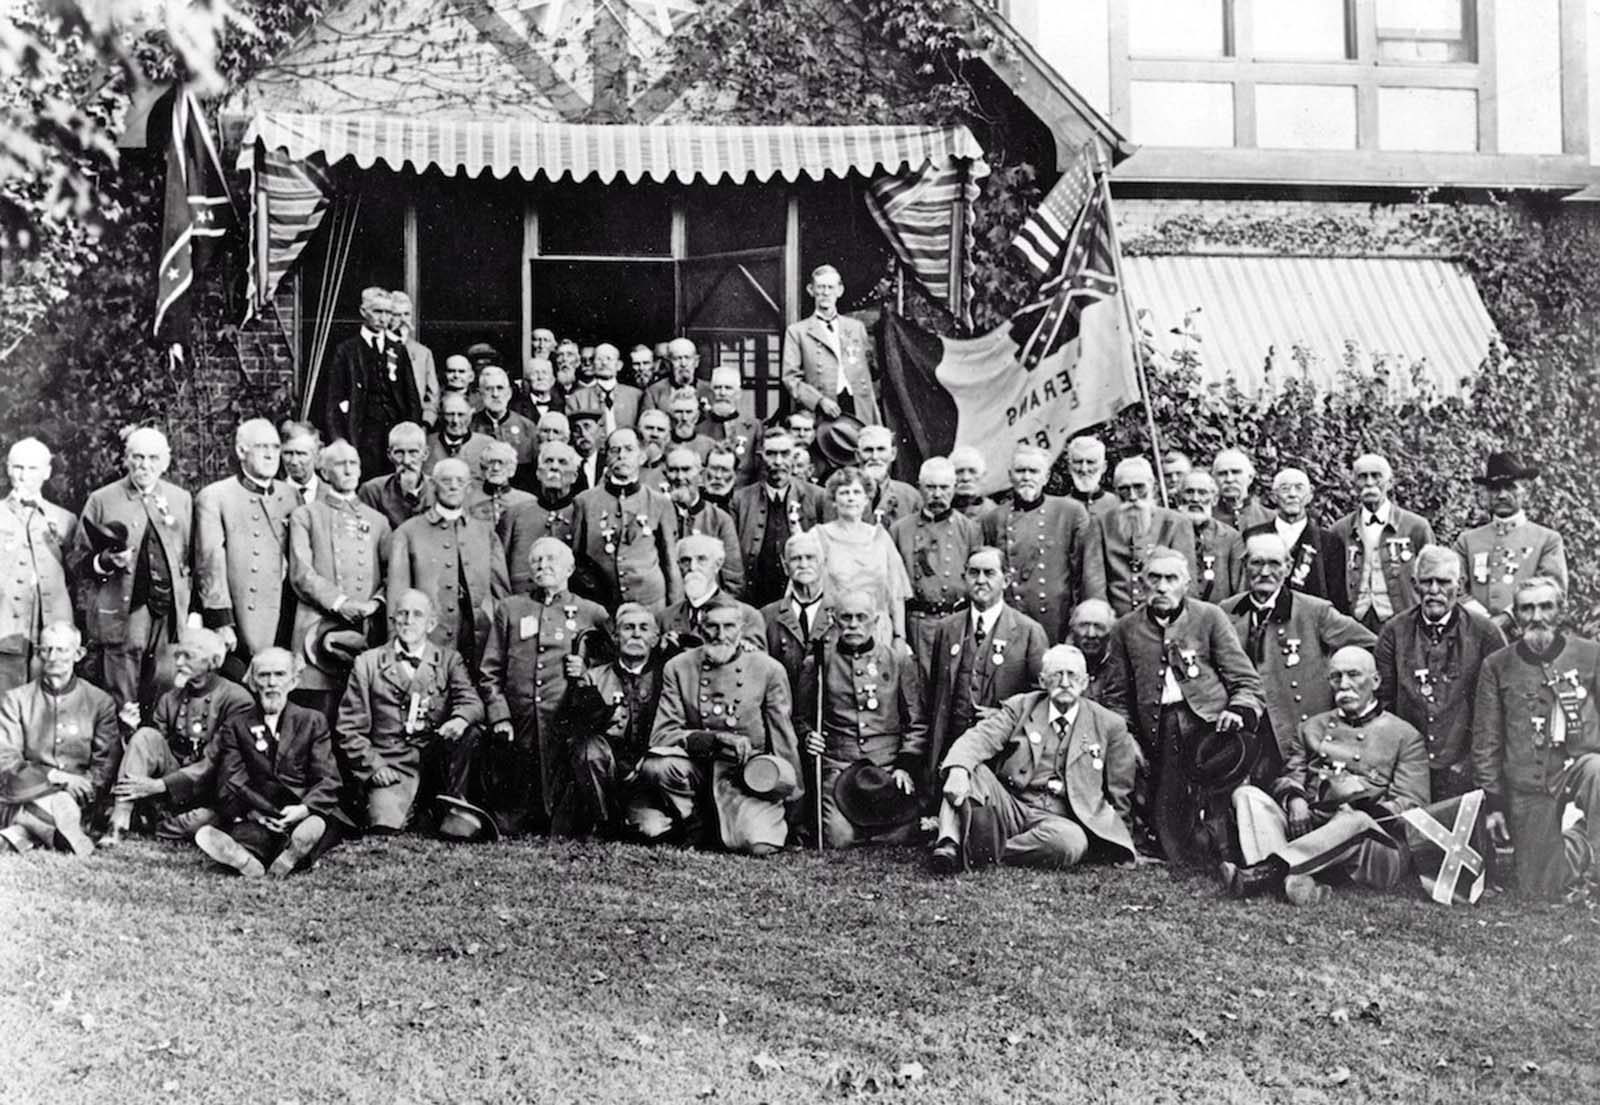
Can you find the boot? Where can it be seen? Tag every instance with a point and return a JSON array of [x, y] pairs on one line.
[[306, 836], [1256, 879]]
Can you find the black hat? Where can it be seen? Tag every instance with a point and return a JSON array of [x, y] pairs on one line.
[[1219, 761], [865, 793], [482, 349], [334, 648], [461, 820], [1504, 467], [837, 439], [586, 414], [112, 537]]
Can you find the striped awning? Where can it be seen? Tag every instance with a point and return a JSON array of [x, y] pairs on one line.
[[1311, 317], [580, 151]]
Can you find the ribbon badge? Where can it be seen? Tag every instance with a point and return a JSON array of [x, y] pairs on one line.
[[1208, 567], [1291, 653], [1424, 682]]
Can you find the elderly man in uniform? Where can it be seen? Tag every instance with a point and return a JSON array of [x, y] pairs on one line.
[[1536, 744], [1218, 547], [935, 543], [534, 650], [302, 444], [603, 762], [421, 357], [536, 394], [683, 410], [628, 532], [971, 470], [873, 732], [551, 513], [1089, 628], [1044, 538], [456, 437], [1289, 637], [338, 555], [170, 765], [698, 515], [456, 559], [723, 421], [492, 496], [1236, 505], [1429, 657], [1061, 785], [277, 780], [700, 558], [1343, 768], [1121, 536], [242, 547], [766, 515], [655, 430], [405, 492], [554, 426], [1316, 555], [371, 385], [684, 361], [1381, 542], [1086, 466], [617, 404], [408, 722], [1175, 668], [130, 559], [720, 707], [827, 357], [34, 535], [981, 655], [892, 499], [499, 421], [1508, 549], [58, 749], [798, 619]]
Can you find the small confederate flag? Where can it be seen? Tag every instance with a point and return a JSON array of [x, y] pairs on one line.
[[198, 212], [1044, 235], [1448, 841]]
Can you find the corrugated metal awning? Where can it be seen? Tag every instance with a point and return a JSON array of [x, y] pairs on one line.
[[556, 150], [1341, 310]]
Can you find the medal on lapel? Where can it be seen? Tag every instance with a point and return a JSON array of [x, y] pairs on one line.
[[1208, 567], [1033, 737], [1189, 661], [999, 652], [1291, 655], [1096, 758], [259, 732], [572, 616], [1302, 569], [1405, 550], [1424, 682], [1538, 724]]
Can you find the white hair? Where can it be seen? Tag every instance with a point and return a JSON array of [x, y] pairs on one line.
[[935, 467]]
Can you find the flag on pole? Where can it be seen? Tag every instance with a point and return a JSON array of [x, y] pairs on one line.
[[296, 195], [1448, 842], [920, 214], [1085, 273], [1044, 233], [198, 213]]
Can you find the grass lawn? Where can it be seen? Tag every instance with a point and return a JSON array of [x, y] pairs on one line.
[[410, 971]]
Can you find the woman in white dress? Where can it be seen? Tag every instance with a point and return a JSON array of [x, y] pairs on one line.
[[861, 555]]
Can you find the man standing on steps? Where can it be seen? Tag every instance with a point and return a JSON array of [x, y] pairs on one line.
[[827, 357]]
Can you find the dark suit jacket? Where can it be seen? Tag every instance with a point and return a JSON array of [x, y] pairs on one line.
[[1109, 559], [297, 768], [1018, 671], [750, 508], [1316, 563], [797, 656], [357, 369]]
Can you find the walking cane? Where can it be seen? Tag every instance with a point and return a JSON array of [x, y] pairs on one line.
[[819, 654]]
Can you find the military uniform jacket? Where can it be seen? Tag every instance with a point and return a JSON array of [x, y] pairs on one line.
[[1217, 569], [1249, 514], [796, 653], [1384, 752], [1495, 557], [189, 721], [525, 523], [711, 520], [264, 772], [1044, 546], [1514, 748], [1316, 562], [242, 557], [935, 552], [33, 572], [433, 554], [72, 730], [513, 429], [741, 433], [106, 598], [469, 450], [1113, 568], [626, 403], [749, 695], [385, 495], [1203, 652], [803, 507], [683, 618], [338, 552], [812, 356], [1434, 687], [633, 699], [376, 719], [492, 504], [1095, 764], [630, 541], [873, 708], [895, 500], [1018, 643], [1404, 534], [1301, 633], [658, 396], [1096, 502]]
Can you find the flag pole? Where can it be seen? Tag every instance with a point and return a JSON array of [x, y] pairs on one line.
[[1103, 176]]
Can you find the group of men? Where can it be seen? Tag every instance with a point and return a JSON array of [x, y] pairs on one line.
[[636, 640]]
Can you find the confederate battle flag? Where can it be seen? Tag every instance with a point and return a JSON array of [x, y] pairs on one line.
[[198, 212]]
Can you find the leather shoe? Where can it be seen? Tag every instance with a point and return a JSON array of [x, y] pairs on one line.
[[1255, 880], [302, 840], [228, 852], [946, 858]]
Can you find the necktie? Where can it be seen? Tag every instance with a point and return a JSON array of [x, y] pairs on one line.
[[977, 632], [805, 620]]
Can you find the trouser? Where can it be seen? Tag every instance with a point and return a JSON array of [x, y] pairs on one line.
[[125, 669], [670, 793], [1547, 859], [149, 756], [1187, 824], [1347, 844], [16, 664], [437, 767], [921, 628], [663, 801], [595, 785], [838, 831], [265, 843], [994, 826]]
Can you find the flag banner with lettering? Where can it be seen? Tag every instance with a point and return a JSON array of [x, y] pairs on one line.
[[198, 212], [941, 393], [1449, 843]]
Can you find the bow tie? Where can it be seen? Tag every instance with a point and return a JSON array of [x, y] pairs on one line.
[[28, 504], [405, 657], [1373, 520]]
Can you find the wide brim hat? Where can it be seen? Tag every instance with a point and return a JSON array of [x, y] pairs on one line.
[[481, 349], [1505, 466], [586, 414], [334, 648], [461, 820], [109, 537], [1221, 761], [771, 777], [865, 793], [838, 438]]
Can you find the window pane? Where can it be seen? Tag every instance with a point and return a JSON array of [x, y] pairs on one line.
[[1176, 28], [1305, 117], [1313, 29], [613, 219], [1444, 119], [1425, 30], [469, 263], [1181, 113]]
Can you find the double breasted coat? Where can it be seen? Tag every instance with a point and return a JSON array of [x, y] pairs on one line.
[[435, 554], [1044, 542], [338, 553], [242, 558]]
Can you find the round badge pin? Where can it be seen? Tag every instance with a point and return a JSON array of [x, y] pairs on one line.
[[872, 703], [261, 744]]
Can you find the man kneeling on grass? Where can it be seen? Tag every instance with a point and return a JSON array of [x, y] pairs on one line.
[[1062, 790], [277, 781]]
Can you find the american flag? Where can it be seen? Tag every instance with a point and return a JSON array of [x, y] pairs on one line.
[[1044, 234], [198, 213], [1085, 274]]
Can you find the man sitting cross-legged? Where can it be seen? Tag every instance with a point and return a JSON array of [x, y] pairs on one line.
[[1063, 787], [277, 781]]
